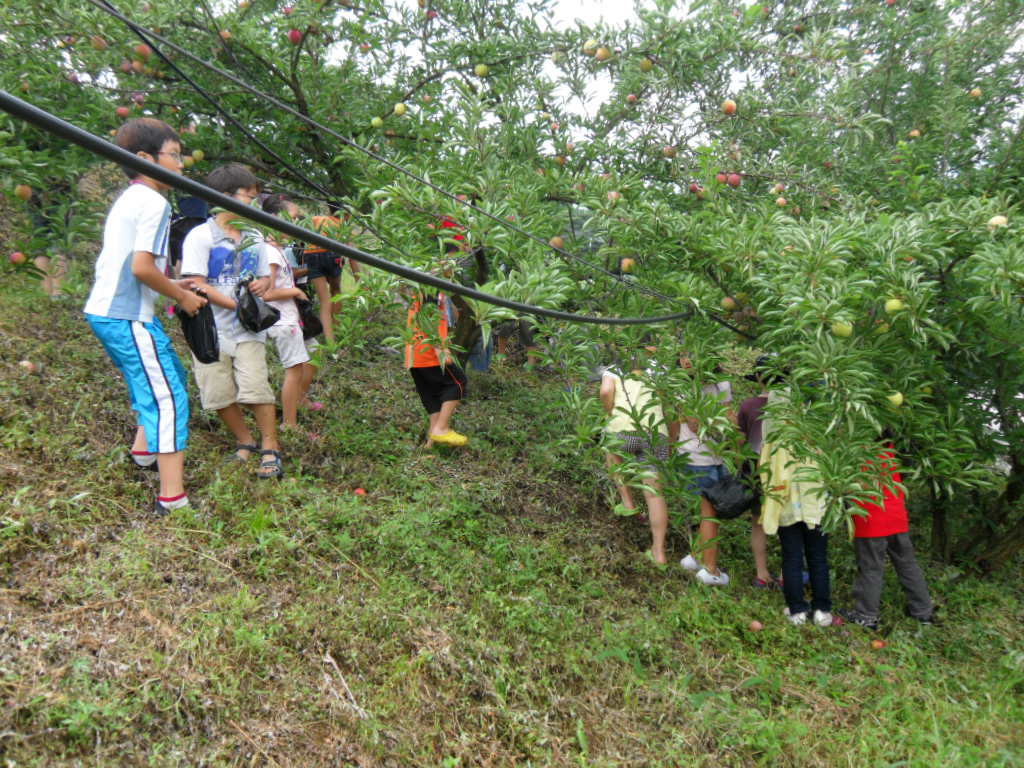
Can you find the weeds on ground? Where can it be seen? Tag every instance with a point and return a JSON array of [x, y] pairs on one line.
[[474, 607]]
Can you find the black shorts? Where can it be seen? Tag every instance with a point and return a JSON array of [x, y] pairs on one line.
[[436, 385], [323, 264], [521, 329]]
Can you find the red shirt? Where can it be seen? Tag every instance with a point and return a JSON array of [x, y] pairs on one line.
[[891, 516], [448, 223]]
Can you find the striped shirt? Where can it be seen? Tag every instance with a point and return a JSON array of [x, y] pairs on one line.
[[139, 220]]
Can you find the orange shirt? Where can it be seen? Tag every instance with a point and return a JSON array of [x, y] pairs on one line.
[[418, 353], [325, 225]]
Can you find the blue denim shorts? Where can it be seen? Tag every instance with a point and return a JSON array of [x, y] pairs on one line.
[[702, 477]]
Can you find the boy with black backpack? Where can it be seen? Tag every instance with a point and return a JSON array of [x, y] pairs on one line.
[[217, 255]]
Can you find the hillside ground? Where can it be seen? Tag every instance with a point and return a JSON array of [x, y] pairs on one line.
[[480, 607]]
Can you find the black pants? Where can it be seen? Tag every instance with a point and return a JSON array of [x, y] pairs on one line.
[[799, 542], [867, 589]]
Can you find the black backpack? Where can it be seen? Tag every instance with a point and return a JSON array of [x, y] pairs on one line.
[[191, 213]]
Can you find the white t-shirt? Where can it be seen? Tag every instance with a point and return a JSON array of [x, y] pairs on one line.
[[633, 396], [139, 220], [284, 279], [210, 252], [698, 453]]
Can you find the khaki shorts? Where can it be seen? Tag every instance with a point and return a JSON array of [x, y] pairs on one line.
[[239, 379], [291, 349]]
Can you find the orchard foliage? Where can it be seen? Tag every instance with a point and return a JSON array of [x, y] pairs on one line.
[[871, 147]]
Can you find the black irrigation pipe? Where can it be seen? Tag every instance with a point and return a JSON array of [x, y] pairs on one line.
[[53, 124], [103, 6], [232, 120]]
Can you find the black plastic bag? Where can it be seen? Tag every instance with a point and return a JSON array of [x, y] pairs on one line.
[[309, 319], [254, 313], [200, 332], [733, 495]]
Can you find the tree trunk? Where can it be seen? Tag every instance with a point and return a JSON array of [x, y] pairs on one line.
[[940, 531]]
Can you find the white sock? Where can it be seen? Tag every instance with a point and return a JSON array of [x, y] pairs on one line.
[[173, 502], [143, 458]]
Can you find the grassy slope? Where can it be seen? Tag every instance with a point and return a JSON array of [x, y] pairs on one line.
[[475, 608]]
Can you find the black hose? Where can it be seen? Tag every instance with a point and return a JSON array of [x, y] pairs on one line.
[[53, 124]]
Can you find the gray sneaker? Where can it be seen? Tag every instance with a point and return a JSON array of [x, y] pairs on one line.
[[795, 618]]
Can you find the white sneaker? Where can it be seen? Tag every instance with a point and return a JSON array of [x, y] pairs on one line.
[[795, 618], [719, 579], [690, 563], [823, 618]]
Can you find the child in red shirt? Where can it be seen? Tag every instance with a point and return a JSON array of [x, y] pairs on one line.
[[884, 529]]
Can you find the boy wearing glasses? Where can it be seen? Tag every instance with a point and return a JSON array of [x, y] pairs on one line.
[[215, 255], [129, 276]]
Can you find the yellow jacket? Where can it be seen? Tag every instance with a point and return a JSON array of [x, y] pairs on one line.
[[788, 496]]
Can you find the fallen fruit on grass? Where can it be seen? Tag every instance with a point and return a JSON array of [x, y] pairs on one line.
[[18, 258], [756, 626], [878, 644], [23, 192], [359, 492], [28, 366]]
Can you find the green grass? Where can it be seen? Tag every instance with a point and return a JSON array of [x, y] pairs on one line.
[[476, 607]]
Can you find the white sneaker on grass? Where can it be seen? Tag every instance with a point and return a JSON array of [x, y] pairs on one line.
[[795, 618], [720, 579], [823, 618], [690, 563]]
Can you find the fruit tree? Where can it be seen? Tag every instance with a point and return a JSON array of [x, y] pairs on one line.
[[895, 130]]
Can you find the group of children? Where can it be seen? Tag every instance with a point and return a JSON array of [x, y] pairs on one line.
[[790, 506], [219, 259]]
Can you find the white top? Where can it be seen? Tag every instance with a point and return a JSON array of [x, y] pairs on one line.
[[208, 251], [633, 396], [289, 254], [700, 454], [284, 279], [139, 220]]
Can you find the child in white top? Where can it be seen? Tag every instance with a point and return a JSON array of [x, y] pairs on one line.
[[705, 468], [216, 255], [293, 350], [129, 276]]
